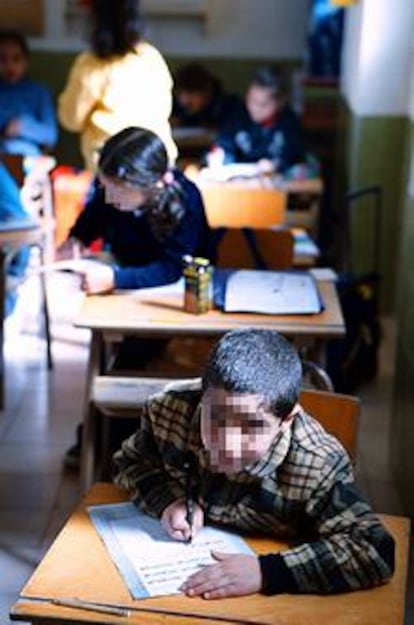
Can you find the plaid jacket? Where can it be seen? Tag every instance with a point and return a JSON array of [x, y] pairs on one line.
[[302, 490]]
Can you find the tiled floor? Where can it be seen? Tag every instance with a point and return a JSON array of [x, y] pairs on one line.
[[42, 409]]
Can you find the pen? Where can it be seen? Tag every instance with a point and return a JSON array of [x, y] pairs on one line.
[[90, 605], [189, 502]]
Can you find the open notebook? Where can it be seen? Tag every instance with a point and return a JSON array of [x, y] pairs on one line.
[[267, 292]]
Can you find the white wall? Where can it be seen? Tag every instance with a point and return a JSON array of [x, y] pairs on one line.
[[274, 29], [377, 58], [239, 28]]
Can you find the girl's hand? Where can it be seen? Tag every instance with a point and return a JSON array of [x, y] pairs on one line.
[[99, 279]]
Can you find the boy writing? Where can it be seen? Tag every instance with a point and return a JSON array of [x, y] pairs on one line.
[[259, 463]]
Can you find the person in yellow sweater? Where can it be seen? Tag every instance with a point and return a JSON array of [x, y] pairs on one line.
[[123, 81]]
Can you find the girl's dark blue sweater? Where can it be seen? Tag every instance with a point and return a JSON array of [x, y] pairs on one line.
[[142, 259]]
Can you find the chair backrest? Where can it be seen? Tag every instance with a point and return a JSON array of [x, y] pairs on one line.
[[338, 414], [256, 249], [236, 206]]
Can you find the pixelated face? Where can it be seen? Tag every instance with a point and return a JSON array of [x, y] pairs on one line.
[[123, 196], [13, 62], [193, 101], [261, 103], [236, 429]]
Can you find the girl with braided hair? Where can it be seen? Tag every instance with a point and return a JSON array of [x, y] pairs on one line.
[[147, 214]]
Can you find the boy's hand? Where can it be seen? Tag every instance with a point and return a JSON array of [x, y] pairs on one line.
[[233, 575], [174, 520], [99, 279]]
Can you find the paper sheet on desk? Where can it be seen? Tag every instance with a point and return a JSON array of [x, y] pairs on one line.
[[272, 292], [73, 265], [151, 563], [222, 173]]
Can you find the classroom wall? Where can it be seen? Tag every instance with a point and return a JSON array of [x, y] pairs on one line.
[[274, 29], [402, 423], [377, 57], [379, 89], [376, 63]]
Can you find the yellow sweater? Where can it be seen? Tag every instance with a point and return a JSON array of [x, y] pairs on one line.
[[104, 96]]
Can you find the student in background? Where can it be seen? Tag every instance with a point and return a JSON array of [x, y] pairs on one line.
[[11, 210], [268, 132], [258, 462], [123, 81], [27, 115], [199, 99], [147, 214]]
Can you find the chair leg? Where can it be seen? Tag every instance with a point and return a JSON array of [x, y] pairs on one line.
[[45, 310]]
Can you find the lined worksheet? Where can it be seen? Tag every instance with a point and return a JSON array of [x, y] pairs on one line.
[[150, 562]]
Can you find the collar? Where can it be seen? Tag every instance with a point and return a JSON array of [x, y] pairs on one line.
[[272, 121]]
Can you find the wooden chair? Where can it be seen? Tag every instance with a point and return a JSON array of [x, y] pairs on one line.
[[36, 197], [339, 415], [256, 249], [237, 206]]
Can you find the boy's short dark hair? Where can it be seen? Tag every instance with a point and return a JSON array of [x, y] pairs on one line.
[[260, 362], [13, 36], [272, 78], [196, 78]]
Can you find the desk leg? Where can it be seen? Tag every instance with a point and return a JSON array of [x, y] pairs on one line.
[[89, 414], [2, 298]]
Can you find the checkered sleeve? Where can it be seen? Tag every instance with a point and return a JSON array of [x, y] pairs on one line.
[[139, 468], [351, 551]]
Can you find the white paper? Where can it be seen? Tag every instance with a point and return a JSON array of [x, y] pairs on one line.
[[221, 173], [272, 292], [73, 265], [151, 563]]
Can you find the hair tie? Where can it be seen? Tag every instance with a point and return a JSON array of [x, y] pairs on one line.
[[168, 177]]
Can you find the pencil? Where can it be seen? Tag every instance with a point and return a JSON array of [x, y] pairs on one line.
[[189, 502], [106, 608], [90, 605]]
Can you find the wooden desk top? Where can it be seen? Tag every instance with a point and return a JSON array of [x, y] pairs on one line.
[[132, 312], [78, 565]]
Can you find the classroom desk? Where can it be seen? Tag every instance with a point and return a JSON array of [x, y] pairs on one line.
[[112, 317], [78, 565]]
